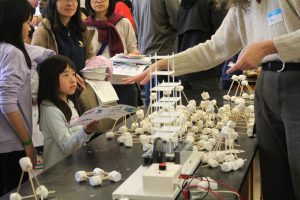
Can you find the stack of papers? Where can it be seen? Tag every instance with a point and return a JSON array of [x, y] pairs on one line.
[[95, 73], [125, 66]]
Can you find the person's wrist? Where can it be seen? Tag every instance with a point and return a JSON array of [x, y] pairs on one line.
[[268, 47], [27, 142]]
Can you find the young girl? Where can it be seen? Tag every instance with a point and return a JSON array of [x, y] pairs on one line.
[[57, 84], [15, 98]]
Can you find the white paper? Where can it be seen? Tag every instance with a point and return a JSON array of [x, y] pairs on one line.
[[102, 112], [124, 71], [104, 91]]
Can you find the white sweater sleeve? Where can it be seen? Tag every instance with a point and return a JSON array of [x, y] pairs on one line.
[[54, 125], [224, 44]]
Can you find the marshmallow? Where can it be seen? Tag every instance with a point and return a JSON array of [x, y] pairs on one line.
[[212, 163], [140, 114], [114, 176], [153, 96], [226, 97], [42, 191], [205, 95], [15, 196], [25, 164], [226, 167], [95, 180], [134, 125], [109, 135], [123, 129], [80, 176], [99, 172]]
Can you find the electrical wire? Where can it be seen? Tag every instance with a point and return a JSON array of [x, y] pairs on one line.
[[226, 191]]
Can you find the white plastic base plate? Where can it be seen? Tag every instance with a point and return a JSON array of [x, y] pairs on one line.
[[132, 188]]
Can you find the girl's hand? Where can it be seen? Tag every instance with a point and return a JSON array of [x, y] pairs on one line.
[[80, 83], [91, 127], [31, 153]]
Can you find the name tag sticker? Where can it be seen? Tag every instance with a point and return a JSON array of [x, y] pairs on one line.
[[275, 16]]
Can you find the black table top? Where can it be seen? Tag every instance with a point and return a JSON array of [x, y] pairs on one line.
[[109, 155]]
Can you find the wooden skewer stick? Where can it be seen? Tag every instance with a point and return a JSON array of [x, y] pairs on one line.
[[230, 87], [32, 186], [22, 175]]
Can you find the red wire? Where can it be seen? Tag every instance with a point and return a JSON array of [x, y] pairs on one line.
[[209, 190], [219, 182]]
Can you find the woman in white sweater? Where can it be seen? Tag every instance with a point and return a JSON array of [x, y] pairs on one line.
[[268, 31]]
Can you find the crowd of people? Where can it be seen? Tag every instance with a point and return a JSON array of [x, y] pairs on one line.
[[42, 71]]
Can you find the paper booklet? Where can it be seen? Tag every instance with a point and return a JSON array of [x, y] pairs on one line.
[[113, 112]]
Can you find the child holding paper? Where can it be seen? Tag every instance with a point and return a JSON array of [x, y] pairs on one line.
[[57, 83]]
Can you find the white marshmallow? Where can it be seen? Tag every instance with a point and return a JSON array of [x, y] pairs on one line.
[[212, 163], [153, 96], [140, 114], [99, 172], [123, 129], [226, 167], [95, 180], [25, 164], [42, 191], [80, 176], [114, 176], [15, 196], [109, 135], [205, 95], [134, 125], [226, 97]]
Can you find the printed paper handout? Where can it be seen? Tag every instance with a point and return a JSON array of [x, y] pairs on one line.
[[101, 112]]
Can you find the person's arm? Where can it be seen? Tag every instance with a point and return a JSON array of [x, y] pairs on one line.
[[252, 55], [129, 36], [54, 123], [88, 37], [287, 46], [172, 7], [14, 72], [18, 125], [42, 37], [224, 44]]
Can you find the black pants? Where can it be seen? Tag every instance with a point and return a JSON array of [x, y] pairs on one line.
[[129, 94], [277, 117], [10, 171]]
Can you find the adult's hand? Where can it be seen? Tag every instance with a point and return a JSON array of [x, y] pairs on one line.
[[144, 77], [252, 55]]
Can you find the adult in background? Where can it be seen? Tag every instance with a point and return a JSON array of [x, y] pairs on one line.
[[124, 8], [198, 20], [113, 34], [156, 24], [63, 32]]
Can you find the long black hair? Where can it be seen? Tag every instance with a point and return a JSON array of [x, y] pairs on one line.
[[110, 9], [13, 13], [53, 16], [49, 71]]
